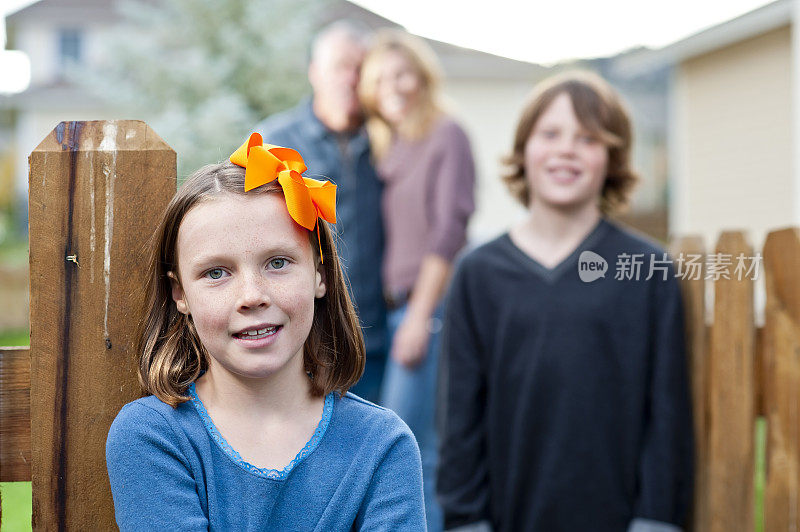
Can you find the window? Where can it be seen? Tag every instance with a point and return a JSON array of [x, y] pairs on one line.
[[70, 46]]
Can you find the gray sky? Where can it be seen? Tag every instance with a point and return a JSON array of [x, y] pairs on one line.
[[551, 31]]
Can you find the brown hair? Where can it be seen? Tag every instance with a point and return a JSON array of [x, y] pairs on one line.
[[171, 355], [599, 109], [427, 68]]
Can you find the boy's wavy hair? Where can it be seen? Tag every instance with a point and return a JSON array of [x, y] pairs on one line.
[[600, 110], [170, 353]]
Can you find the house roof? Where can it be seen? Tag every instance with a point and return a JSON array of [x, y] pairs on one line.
[[751, 24], [56, 96], [65, 12]]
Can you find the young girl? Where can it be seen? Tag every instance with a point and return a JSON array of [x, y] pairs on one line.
[[565, 398], [248, 347]]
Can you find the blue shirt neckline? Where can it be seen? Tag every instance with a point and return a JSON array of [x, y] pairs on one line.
[[273, 474]]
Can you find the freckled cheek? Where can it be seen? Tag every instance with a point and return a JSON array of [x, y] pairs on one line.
[[297, 301], [209, 310]]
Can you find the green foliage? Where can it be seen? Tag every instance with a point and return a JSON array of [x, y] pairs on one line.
[[202, 73], [14, 253]]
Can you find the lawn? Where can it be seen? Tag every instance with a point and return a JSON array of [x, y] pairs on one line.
[[16, 506]]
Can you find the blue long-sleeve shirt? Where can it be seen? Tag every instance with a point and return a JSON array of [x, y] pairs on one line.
[[170, 469]]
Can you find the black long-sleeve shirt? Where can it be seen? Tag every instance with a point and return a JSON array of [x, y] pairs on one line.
[[564, 404]]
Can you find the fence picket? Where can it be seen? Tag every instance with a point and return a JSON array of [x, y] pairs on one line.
[[97, 190], [731, 395], [694, 303], [782, 379]]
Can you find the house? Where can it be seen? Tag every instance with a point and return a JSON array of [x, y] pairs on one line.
[[55, 35], [733, 124]]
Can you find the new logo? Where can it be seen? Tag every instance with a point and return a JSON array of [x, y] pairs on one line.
[[591, 266]]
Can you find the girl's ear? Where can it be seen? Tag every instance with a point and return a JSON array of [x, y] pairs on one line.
[[177, 294], [320, 281]]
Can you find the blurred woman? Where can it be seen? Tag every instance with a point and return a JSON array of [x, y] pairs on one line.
[[424, 159]]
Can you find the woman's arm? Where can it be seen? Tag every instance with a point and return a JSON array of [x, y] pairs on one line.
[[451, 205], [411, 339], [151, 481]]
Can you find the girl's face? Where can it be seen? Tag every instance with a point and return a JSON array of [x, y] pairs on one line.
[[565, 164], [248, 278], [399, 86]]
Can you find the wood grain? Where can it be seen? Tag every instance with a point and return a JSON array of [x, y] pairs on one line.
[[731, 398], [15, 414], [782, 380], [97, 190], [694, 303]]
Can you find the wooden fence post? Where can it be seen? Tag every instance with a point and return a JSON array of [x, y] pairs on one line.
[[782, 380], [731, 393], [686, 249], [15, 414], [97, 190]]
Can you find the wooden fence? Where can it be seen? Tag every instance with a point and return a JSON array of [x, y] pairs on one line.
[[96, 191]]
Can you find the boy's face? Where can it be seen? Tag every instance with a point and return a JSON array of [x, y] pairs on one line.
[[565, 164], [248, 278]]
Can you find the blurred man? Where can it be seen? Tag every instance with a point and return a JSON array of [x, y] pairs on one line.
[[327, 130]]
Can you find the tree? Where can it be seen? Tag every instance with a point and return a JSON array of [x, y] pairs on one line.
[[202, 73]]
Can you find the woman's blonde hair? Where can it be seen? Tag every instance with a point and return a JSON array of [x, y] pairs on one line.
[[171, 355], [428, 106], [600, 110]]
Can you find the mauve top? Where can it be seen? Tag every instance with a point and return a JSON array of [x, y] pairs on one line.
[[427, 201]]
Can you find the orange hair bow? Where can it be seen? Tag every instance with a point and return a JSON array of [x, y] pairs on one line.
[[306, 199]]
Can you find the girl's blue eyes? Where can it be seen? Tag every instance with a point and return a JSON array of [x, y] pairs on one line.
[[216, 274]]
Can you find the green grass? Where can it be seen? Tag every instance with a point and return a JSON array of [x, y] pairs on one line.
[[15, 337], [16, 498]]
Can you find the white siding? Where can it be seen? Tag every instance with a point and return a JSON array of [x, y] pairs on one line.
[[734, 154], [489, 110]]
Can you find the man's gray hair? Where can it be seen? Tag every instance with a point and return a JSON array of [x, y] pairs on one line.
[[352, 30]]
